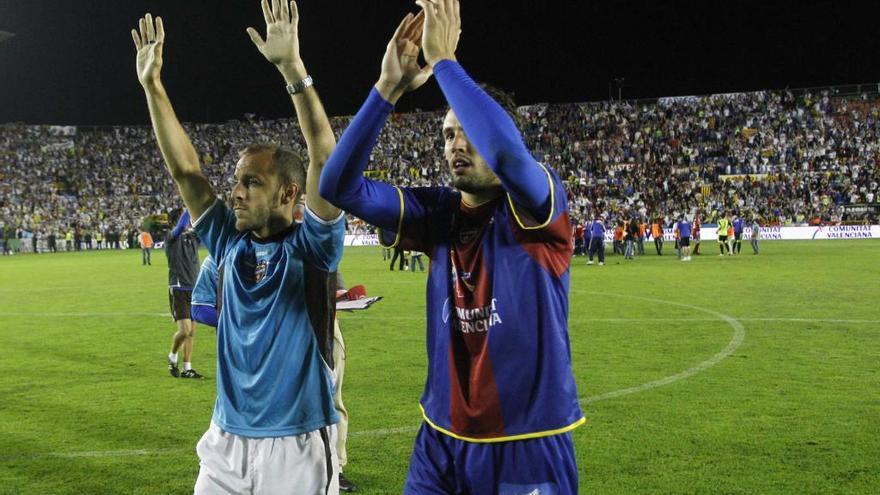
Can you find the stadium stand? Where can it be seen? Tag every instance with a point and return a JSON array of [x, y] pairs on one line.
[[790, 157]]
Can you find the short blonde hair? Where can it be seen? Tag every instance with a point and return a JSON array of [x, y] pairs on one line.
[[288, 164]]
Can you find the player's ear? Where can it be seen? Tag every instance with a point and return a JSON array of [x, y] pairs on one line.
[[290, 193]]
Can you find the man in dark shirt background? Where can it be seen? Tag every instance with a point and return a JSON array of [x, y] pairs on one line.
[[738, 225], [597, 240], [630, 233], [182, 251], [52, 242]]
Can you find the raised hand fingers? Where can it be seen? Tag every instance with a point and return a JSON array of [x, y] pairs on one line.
[[267, 12], [429, 6], [255, 37], [151, 33], [401, 29], [285, 10], [294, 12], [278, 11], [137, 39], [414, 28], [142, 27], [417, 39], [160, 30]]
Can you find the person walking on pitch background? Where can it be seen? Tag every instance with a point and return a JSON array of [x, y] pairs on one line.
[[146, 242], [738, 227], [597, 240], [182, 251], [755, 235], [657, 234], [723, 226]]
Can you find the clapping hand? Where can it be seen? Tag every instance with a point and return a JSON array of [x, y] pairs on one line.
[[442, 29], [400, 65]]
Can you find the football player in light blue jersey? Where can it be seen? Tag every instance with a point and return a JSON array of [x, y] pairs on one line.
[[205, 309], [273, 427]]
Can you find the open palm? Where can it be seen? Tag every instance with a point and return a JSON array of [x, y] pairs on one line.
[[149, 39], [281, 46]]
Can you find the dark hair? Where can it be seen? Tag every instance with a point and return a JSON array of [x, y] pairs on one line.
[[288, 164], [505, 99]]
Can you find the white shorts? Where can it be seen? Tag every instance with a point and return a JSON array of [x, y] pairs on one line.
[[297, 464]]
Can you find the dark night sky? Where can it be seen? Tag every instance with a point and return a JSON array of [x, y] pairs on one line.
[[72, 61]]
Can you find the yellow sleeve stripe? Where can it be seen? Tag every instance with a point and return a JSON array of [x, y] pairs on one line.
[[511, 438], [552, 204], [399, 223]]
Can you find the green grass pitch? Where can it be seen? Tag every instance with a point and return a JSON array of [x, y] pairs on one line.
[[750, 374]]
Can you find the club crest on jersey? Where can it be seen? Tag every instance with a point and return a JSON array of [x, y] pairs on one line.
[[260, 270], [467, 235], [466, 280]]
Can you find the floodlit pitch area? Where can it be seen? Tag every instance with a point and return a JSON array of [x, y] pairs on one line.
[[750, 374]]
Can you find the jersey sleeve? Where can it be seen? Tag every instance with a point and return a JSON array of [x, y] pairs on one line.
[[558, 205], [425, 214], [205, 290], [342, 182], [205, 314], [322, 239], [182, 222], [216, 228], [548, 241]]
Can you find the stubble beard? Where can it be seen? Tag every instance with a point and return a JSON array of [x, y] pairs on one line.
[[254, 220], [474, 184]]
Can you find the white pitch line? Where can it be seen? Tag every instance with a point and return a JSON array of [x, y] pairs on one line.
[[381, 432], [739, 335], [809, 320], [96, 453], [68, 287], [83, 315]]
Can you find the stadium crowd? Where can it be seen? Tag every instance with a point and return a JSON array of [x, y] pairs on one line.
[[782, 157]]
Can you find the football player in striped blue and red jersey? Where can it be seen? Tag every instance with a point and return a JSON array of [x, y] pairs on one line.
[[500, 399]]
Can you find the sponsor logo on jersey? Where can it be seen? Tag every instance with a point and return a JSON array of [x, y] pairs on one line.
[[467, 235], [260, 270], [477, 320]]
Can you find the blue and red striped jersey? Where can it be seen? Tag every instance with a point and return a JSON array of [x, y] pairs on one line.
[[499, 359]]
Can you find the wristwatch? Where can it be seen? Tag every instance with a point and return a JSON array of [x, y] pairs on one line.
[[299, 87]]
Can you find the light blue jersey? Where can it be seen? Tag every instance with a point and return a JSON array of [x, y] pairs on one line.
[[275, 331], [205, 290]]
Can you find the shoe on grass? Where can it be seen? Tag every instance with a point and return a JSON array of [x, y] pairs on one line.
[[190, 373]]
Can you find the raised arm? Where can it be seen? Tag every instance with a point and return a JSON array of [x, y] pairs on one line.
[[486, 124], [281, 47], [342, 182], [178, 152], [182, 224]]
